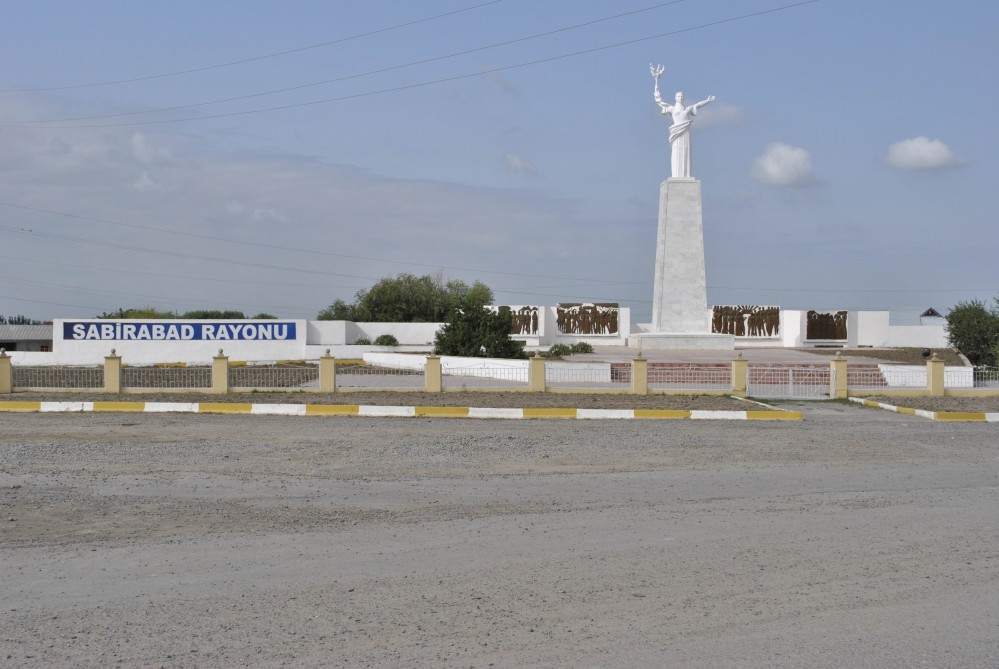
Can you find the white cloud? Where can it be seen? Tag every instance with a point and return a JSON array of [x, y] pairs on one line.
[[144, 152], [518, 165], [719, 115], [921, 153], [144, 182], [783, 165]]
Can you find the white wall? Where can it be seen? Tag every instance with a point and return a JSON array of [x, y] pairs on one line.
[[341, 333], [326, 333], [412, 334], [918, 336], [92, 352], [872, 329]]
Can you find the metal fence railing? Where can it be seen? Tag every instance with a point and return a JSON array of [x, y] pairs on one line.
[[58, 376], [493, 377], [790, 382], [374, 377], [986, 377], [875, 378], [283, 377], [571, 375], [639, 376], [690, 377], [167, 377]]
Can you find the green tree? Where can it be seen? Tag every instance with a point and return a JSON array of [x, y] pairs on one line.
[[475, 331], [338, 311], [18, 320], [139, 312], [974, 331], [408, 298], [214, 314], [196, 314]]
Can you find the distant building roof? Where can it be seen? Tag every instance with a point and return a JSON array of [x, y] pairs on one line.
[[26, 332], [930, 313]]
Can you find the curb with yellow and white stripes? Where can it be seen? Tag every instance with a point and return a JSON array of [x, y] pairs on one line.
[[963, 416], [394, 411]]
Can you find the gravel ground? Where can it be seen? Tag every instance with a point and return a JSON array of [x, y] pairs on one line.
[[500, 400], [902, 356], [856, 538], [960, 404], [377, 398]]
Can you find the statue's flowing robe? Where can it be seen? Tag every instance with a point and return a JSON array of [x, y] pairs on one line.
[[679, 139]]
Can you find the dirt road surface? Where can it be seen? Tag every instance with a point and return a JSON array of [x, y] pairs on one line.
[[855, 538]]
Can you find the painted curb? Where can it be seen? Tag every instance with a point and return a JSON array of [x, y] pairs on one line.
[[953, 416], [372, 411]]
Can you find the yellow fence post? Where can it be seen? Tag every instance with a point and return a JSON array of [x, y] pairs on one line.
[[327, 373], [837, 377], [935, 376], [6, 374], [639, 376], [220, 374], [537, 380], [740, 374], [112, 373], [432, 372]]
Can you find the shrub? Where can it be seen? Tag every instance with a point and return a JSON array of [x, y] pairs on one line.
[[974, 331], [386, 340], [362, 341], [474, 331], [562, 350], [559, 350]]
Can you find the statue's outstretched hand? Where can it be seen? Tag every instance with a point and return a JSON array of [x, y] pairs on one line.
[[711, 98]]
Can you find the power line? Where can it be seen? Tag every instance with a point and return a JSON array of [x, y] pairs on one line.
[[361, 74], [97, 291], [300, 250], [257, 265], [253, 58], [173, 276], [178, 254], [424, 83]]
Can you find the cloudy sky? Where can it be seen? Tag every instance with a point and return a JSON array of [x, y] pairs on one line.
[[277, 156]]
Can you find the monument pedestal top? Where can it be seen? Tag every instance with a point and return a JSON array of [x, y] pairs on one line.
[[681, 341]]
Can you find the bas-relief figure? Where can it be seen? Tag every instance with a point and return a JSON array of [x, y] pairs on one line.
[[825, 325], [523, 321], [746, 321], [679, 132], [587, 319]]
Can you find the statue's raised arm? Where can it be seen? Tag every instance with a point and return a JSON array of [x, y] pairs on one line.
[[657, 71]]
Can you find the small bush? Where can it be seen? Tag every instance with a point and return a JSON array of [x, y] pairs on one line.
[[559, 350], [386, 340], [562, 350], [362, 341]]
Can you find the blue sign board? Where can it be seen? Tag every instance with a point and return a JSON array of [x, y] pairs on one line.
[[178, 331]]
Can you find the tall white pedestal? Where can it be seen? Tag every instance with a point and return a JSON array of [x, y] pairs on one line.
[[680, 294]]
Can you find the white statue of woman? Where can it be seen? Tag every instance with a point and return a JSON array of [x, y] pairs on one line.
[[679, 132]]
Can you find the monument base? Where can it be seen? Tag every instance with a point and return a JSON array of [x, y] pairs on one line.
[[682, 340]]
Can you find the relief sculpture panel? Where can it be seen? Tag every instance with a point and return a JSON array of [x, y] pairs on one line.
[[524, 320], [826, 325], [587, 319], [746, 321]]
